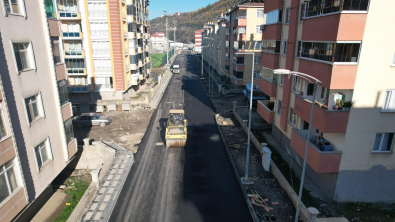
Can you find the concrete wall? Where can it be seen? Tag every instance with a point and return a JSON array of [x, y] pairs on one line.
[[365, 175], [93, 156]]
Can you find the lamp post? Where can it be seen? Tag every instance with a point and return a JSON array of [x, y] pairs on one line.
[[211, 68], [288, 72], [202, 57], [245, 178]]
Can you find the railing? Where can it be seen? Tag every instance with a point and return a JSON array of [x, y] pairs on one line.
[[103, 69], [101, 51], [103, 86], [78, 88], [75, 70], [97, 13], [73, 52], [71, 34]]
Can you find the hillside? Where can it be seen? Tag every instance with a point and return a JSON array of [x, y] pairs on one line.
[[189, 22]]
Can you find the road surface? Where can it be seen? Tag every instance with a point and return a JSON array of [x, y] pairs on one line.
[[196, 183]]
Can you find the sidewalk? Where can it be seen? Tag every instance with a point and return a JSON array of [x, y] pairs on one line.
[[103, 203]]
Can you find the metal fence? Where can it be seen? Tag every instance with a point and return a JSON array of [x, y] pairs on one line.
[[164, 59]]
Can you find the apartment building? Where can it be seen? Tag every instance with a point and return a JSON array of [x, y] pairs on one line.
[[37, 140], [244, 35], [220, 46], [158, 40], [209, 38], [346, 46], [198, 40], [105, 47]]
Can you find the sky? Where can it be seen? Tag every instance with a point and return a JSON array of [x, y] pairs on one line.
[[156, 7]]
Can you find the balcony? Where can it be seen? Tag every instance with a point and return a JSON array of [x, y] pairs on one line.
[[60, 70], [72, 148], [67, 111], [78, 89], [139, 50], [133, 66], [127, 67], [135, 79], [53, 25], [141, 76], [140, 63], [125, 34], [72, 35], [270, 60], [103, 69], [238, 67], [272, 31], [74, 53], [138, 35], [327, 121], [132, 35], [65, 15], [266, 110], [268, 85], [131, 18], [7, 151], [124, 17], [76, 71], [240, 21], [319, 161]]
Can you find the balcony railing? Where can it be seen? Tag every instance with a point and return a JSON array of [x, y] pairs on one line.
[[99, 33], [75, 70], [103, 69], [68, 15], [101, 51], [103, 86], [73, 52], [71, 34], [266, 110], [78, 88], [97, 13]]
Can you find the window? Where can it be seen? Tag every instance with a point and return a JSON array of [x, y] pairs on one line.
[[68, 128], [257, 45], [24, 56], [99, 28], [285, 47], [63, 93], [319, 133], [302, 11], [238, 75], [103, 65], [279, 107], [274, 16], [258, 29], [305, 125], [296, 84], [287, 15], [389, 102], [324, 93], [132, 27], [50, 9], [383, 142], [34, 107], [13, 7], [8, 180], [256, 74], [43, 153], [292, 117], [259, 13], [347, 52], [55, 50], [322, 7], [282, 76], [98, 9], [272, 46], [104, 83], [75, 65], [3, 128], [257, 60], [239, 60], [310, 89], [299, 49], [100, 47], [280, 16], [393, 61]]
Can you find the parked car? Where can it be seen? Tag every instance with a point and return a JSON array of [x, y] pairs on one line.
[[91, 119], [256, 94]]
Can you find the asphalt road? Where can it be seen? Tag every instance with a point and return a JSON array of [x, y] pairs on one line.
[[196, 183]]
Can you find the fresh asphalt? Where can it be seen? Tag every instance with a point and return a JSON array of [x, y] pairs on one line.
[[195, 183]]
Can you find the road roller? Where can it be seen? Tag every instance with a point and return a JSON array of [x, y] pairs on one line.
[[176, 129]]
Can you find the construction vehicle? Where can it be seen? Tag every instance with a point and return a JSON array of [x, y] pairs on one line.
[[176, 69], [176, 129]]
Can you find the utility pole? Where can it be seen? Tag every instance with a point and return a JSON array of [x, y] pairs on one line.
[[167, 43], [174, 23]]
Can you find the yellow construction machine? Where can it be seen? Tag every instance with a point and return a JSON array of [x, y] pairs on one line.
[[176, 129]]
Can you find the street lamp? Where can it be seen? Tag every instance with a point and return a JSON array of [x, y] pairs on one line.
[[202, 58], [210, 74], [245, 178], [307, 77]]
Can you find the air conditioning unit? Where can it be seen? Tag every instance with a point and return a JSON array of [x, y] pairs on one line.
[[263, 27]]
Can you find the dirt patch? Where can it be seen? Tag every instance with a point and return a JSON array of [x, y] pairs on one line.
[[127, 128]]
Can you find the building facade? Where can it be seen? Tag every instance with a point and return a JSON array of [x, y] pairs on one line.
[[341, 43], [106, 47], [198, 40], [158, 41], [243, 35], [37, 135]]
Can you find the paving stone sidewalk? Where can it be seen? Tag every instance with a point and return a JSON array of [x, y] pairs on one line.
[[103, 203]]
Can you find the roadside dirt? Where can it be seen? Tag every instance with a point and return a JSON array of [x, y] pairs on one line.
[[127, 128]]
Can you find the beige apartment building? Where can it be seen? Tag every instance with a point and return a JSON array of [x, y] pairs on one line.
[[243, 35], [37, 140], [346, 46], [106, 48]]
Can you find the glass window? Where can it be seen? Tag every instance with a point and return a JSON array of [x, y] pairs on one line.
[[317, 50], [272, 46], [282, 79], [97, 9], [8, 180], [50, 9], [347, 52], [292, 117], [305, 125], [68, 128], [258, 29], [302, 11], [3, 127], [259, 13], [63, 93], [389, 102], [321, 7], [285, 47], [310, 89], [287, 15], [296, 86], [42, 153], [238, 75], [55, 50], [257, 60], [256, 74], [257, 45], [13, 6], [273, 17], [34, 108], [383, 142], [104, 83], [279, 104], [23, 56]]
